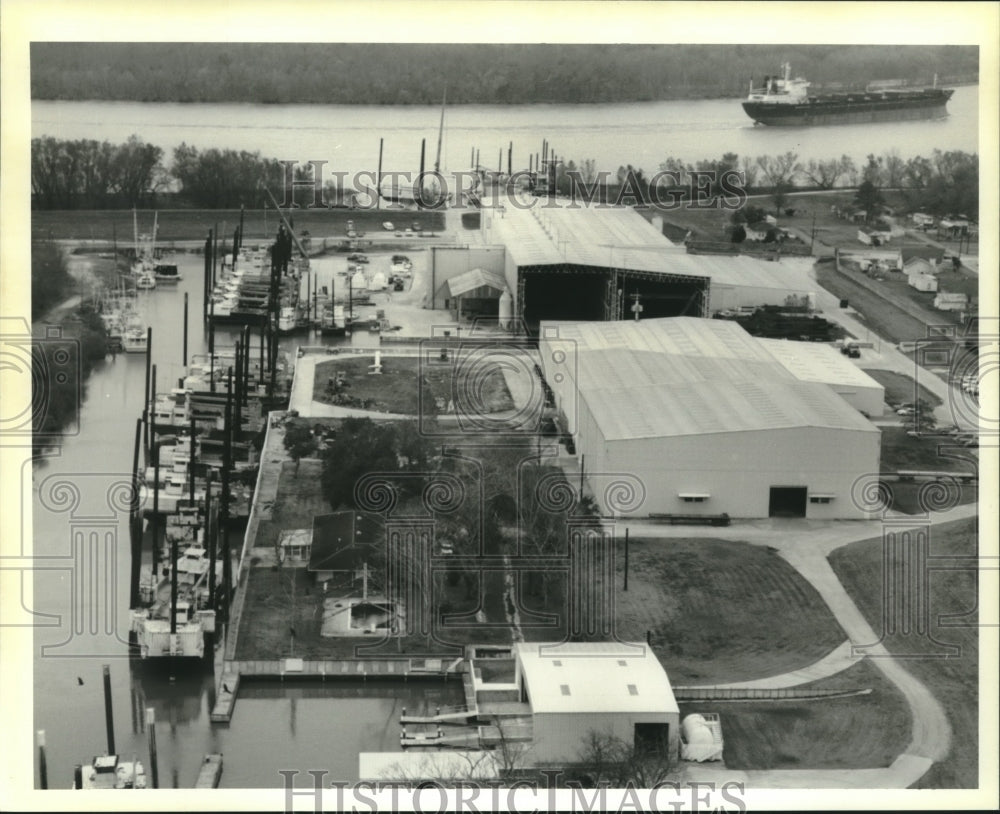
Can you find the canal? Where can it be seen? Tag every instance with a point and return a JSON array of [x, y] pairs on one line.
[[79, 528]]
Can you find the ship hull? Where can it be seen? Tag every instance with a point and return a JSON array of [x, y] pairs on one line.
[[835, 112]]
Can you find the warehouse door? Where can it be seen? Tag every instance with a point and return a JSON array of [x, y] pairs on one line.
[[787, 501], [652, 738]]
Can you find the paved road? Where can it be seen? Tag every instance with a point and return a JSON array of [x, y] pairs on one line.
[[806, 545]]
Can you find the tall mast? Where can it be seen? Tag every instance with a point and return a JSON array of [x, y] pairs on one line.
[[437, 161]]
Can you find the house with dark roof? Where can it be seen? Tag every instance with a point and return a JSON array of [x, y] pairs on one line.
[[345, 543]]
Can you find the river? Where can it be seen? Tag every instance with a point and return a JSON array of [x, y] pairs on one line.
[[612, 135], [301, 726]]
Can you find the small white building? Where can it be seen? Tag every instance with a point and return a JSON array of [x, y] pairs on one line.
[[922, 282], [614, 688], [951, 301]]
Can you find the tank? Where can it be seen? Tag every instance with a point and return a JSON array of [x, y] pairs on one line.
[[505, 310], [359, 282], [379, 281]]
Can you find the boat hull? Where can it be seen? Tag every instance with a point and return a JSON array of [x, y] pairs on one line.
[[843, 112]]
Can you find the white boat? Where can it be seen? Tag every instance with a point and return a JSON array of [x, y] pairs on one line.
[[134, 335], [110, 772], [145, 280]]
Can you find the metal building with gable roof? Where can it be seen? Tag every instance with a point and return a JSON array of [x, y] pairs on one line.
[[712, 420], [614, 688]]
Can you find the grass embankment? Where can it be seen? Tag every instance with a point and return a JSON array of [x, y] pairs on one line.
[[411, 386], [928, 453], [953, 681], [902, 389], [855, 732], [718, 611], [193, 224], [69, 343]]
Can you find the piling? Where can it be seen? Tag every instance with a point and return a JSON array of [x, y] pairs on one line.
[[510, 159], [151, 733], [378, 177], [156, 510], [109, 720], [227, 465], [43, 769], [191, 461], [500, 161], [185, 359], [207, 284], [246, 361], [151, 416], [263, 331], [241, 235], [418, 192], [215, 252], [150, 397], [134, 539], [173, 586], [625, 587]]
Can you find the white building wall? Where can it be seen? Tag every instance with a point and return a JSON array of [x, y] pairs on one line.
[[561, 737], [738, 469], [447, 262]]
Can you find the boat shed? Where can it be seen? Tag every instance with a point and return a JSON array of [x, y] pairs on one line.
[[561, 261], [711, 420], [575, 688], [475, 293]]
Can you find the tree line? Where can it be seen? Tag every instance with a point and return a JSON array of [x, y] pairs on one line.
[[945, 183], [384, 73], [87, 174]]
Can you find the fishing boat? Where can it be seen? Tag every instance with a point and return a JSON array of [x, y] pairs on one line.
[[145, 280], [785, 101], [134, 333], [110, 772], [167, 274]]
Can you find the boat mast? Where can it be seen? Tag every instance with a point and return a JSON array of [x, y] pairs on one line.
[[437, 161]]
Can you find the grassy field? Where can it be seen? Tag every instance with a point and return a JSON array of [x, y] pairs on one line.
[[718, 611], [928, 452], [397, 389], [856, 732], [193, 224], [953, 681], [902, 389], [873, 310]]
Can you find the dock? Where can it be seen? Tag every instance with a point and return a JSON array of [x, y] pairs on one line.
[[210, 772]]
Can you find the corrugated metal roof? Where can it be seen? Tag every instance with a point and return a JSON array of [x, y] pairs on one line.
[[619, 237], [816, 362], [473, 279], [598, 675], [687, 376]]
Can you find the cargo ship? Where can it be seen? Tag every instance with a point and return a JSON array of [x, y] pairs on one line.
[[784, 101]]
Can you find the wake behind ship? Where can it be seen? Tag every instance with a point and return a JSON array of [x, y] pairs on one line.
[[784, 101]]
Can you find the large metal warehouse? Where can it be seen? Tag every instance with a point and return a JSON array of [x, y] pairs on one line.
[[711, 420], [575, 688], [596, 263]]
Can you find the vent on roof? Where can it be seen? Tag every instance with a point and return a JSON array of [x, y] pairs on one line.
[[633, 690], [564, 688], [556, 663], [622, 663]]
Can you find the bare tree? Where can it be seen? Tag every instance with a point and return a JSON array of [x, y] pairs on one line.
[[611, 760]]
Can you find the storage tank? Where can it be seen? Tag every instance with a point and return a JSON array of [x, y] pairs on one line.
[[505, 310], [698, 741], [379, 281], [359, 282]]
